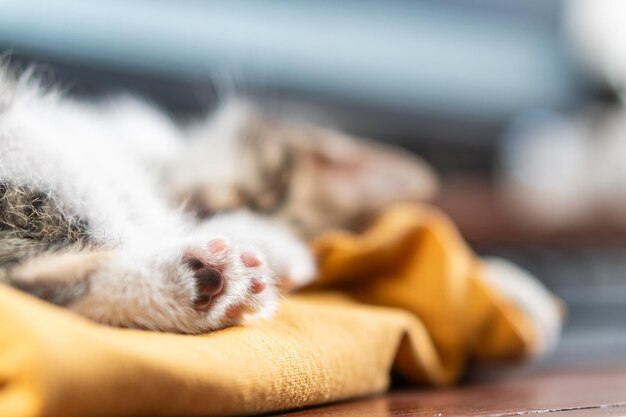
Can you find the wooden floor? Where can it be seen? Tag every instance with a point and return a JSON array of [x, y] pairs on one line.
[[581, 392]]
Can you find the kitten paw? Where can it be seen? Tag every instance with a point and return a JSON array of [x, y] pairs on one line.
[[231, 282], [218, 266]]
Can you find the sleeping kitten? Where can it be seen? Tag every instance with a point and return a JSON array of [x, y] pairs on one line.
[[95, 202]]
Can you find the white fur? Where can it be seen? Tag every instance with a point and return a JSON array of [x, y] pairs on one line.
[[104, 162], [532, 297]]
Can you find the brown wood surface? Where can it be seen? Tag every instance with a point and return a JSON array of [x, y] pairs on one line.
[[578, 393]]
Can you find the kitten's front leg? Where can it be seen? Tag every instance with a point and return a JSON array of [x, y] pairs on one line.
[[217, 279], [191, 287]]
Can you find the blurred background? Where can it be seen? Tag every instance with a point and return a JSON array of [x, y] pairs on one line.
[[517, 105]]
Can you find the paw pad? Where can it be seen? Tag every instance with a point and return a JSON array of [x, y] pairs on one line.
[[209, 281], [251, 259], [257, 286]]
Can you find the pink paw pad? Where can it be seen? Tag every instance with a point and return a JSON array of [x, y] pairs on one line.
[[217, 245], [251, 259], [257, 286], [235, 311]]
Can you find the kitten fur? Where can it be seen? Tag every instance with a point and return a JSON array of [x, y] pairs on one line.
[[104, 206]]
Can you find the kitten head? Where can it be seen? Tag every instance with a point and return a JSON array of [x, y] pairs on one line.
[[310, 178]]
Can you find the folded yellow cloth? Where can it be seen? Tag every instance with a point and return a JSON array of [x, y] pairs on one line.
[[405, 296]]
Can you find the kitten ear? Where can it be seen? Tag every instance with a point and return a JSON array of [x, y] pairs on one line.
[[379, 174], [341, 182]]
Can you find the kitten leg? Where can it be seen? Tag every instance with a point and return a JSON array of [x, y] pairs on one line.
[[227, 271], [192, 287]]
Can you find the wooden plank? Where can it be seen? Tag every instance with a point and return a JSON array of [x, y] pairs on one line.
[[572, 393]]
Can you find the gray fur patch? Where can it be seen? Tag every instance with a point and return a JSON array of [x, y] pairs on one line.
[[33, 222]]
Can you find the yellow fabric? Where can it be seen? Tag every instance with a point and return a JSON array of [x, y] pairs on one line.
[[405, 296]]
